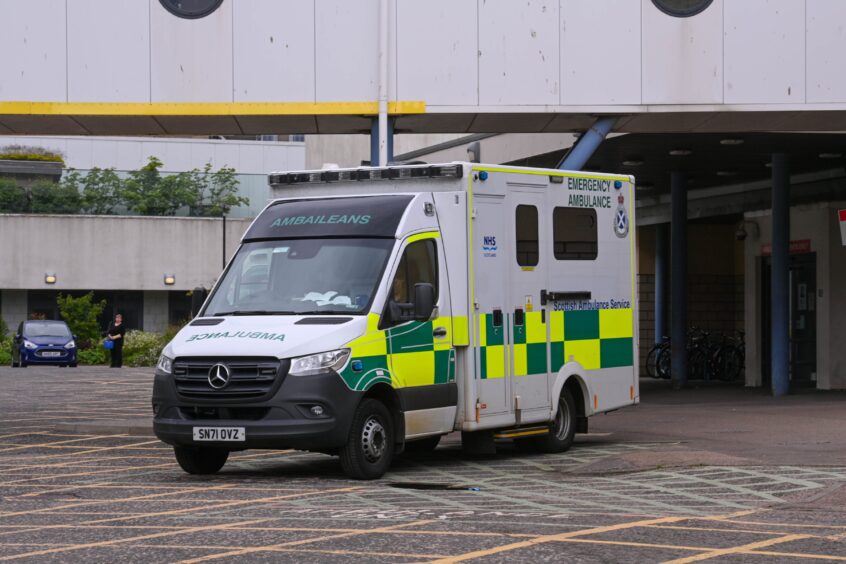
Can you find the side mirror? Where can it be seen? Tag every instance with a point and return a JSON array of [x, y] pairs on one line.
[[424, 301], [198, 297], [74, 337]]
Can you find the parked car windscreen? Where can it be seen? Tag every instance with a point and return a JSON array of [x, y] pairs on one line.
[[302, 276], [46, 329]]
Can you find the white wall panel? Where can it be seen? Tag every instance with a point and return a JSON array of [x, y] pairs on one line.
[[764, 51], [437, 58], [519, 62], [191, 59], [274, 50], [600, 52], [347, 57], [683, 57], [33, 66], [108, 51], [826, 44]]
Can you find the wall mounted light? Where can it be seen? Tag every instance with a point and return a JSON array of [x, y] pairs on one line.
[[169, 279], [50, 278], [731, 141], [680, 152]]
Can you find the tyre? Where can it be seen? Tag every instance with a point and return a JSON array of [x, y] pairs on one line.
[[23, 364], [562, 431], [664, 365], [15, 364], [72, 365], [652, 361], [200, 460], [370, 446], [423, 446], [733, 364]]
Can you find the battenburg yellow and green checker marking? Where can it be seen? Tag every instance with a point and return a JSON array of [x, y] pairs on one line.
[[416, 357], [593, 338]]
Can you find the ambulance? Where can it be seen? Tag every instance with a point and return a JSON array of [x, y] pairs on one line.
[[372, 311]]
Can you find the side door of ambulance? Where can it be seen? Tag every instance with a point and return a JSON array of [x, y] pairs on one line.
[[491, 254], [527, 271], [421, 354]]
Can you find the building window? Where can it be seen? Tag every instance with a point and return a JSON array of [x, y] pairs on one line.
[[574, 233], [191, 9], [682, 8], [527, 235]]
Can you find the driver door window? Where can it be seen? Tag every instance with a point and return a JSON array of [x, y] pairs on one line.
[[418, 265]]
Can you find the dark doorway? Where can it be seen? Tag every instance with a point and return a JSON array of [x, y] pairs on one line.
[[803, 320]]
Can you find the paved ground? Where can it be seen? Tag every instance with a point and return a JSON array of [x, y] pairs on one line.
[[721, 474]]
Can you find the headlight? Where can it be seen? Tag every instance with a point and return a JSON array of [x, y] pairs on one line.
[[70, 345], [320, 362], [30, 344], [165, 364]]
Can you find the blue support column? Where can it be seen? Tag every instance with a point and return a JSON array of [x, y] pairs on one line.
[[780, 281], [678, 225], [374, 142], [662, 271], [584, 148]]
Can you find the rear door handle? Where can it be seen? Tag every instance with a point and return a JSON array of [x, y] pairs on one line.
[[439, 332]]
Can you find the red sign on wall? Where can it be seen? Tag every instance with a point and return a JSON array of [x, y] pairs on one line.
[[842, 214], [798, 247]]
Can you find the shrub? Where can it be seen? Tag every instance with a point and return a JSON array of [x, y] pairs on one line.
[[13, 198], [5, 350], [51, 197], [4, 329], [81, 316], [142, 348], [27, 153], [102, 190], [94, 356]]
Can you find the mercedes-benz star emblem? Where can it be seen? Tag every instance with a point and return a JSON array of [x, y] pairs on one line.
[[219, 376]]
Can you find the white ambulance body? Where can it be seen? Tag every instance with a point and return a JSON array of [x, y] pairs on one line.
[[496, 301]]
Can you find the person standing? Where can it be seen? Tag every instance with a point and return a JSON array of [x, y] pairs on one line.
[[116, 333]]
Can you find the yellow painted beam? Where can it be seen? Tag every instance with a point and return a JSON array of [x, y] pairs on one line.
[[207, 109]]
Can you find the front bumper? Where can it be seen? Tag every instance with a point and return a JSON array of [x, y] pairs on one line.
[[282, 421], [35, 356]]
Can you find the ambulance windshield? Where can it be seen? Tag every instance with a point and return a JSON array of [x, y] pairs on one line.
[[301, 276]]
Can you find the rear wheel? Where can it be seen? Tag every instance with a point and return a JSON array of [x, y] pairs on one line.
[[370, 446], [200, 460], [15, 364], [562, 431]]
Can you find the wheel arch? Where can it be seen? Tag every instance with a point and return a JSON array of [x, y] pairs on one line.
[[574, 378], [388, 396]]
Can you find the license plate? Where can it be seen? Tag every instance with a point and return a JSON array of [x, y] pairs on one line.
[[51, 353], [219, 434]]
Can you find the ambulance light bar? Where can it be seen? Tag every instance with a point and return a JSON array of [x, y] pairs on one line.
[[388, 173]]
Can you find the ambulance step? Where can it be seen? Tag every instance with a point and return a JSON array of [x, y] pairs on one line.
[[521, 432]]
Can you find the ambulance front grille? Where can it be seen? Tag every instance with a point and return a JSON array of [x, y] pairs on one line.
[[249, 377]]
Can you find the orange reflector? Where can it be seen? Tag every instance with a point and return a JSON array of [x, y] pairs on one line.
[[595, 401], [631, 392]]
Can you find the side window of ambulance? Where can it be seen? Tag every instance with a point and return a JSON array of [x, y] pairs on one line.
[[574, 233], [419, 264], [528, 251]]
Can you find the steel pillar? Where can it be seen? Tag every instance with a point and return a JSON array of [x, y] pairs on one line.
[[678, 243], [780, 280], [374, 143], [662, 271], [585, 146]]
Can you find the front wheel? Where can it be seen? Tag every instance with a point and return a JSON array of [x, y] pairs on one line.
[[562, 431], [200, 460], [370, 446]]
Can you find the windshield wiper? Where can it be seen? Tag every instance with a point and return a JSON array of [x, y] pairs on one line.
[[252, 312]]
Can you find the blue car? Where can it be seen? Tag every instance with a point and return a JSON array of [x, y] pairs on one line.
[[43, 342]]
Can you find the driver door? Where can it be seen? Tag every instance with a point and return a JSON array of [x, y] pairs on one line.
[[422, 359]]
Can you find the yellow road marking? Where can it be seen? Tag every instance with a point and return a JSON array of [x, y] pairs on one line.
[[113, 501], [558, 537], [48, 445], [798, 555], [126, 540], [736, 549], [272, 547]]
